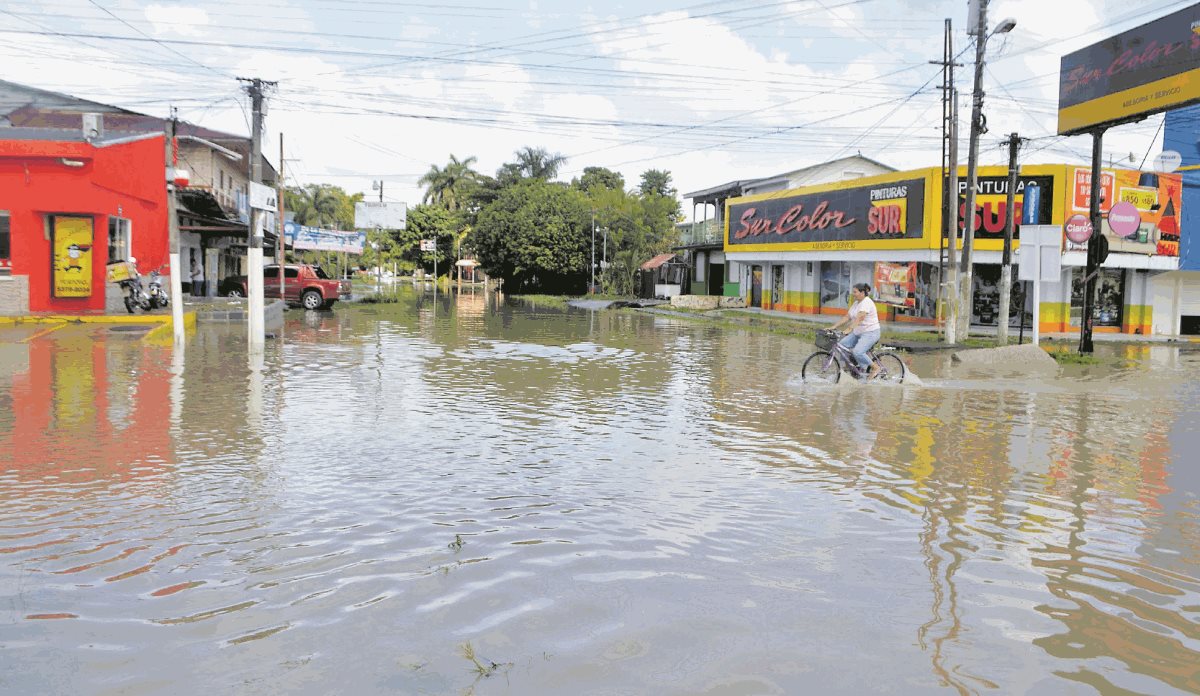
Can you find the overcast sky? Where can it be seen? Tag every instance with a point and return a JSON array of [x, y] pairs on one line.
[[710, 91]]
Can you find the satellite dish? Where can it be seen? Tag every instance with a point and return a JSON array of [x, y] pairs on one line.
[[1167, 161]]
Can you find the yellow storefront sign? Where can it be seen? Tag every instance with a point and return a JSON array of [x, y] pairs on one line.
[[73, 240]]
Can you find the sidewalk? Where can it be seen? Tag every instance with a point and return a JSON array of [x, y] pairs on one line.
[[976, 330]]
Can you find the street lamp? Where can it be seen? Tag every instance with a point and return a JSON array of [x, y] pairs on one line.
[[966, 279]]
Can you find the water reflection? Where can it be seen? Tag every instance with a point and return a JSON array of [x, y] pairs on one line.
[[596, 501]]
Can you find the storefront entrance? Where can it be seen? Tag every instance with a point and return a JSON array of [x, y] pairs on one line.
[[985, 308], [756, 283], [1108, 302]]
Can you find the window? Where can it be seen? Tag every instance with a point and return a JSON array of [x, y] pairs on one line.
[[222, 171], [291, 272], [119, 239], [271, 272], [5, 245]]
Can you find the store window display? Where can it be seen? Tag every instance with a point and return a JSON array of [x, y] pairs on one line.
[[1107, 309]]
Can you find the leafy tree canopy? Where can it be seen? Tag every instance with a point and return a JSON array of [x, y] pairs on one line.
[[599, 177], [321, 205], [536, 235], [656, 182]]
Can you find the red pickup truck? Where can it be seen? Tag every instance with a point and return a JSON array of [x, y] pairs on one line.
[[303, 285]]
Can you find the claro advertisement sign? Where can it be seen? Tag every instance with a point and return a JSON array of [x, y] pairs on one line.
[[1142, 71], [889, 213]]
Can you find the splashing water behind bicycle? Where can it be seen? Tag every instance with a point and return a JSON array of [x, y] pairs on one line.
[[831, 358]]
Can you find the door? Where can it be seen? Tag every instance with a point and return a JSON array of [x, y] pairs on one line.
[[271, 281], [716, 279], [756, 280], [776, 287], [291, 283]]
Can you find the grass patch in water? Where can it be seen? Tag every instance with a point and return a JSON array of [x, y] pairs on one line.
[[380, 299], [483, 669], [1073, 358], [554, 301]]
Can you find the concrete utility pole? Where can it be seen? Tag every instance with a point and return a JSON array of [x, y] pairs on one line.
[[978, 128], [1014, 143], [965, 275], [176, 279], [279, 207], [254, 252], [592, 287], [948, 292]]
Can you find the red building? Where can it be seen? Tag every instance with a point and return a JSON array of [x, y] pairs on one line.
[[69, 206]]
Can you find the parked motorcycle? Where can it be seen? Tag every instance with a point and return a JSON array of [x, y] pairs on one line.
[[135, 296], [156, 291]]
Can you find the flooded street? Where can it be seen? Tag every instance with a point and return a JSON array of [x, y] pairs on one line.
[[476, 497]]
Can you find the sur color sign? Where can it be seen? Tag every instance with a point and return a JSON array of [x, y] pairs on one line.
[[1143, 71]]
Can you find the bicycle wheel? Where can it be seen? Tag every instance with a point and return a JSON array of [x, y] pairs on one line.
[[821, 366], [891, 368]]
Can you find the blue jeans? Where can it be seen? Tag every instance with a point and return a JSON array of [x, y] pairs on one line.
[[859, 344]]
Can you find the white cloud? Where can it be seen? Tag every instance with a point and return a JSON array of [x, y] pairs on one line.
[[177, 19]]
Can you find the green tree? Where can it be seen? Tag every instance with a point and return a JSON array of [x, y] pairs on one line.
[[656, 182], [538, 163], [450, 186], [537, 236], [428, 222], [599, 177], [636, 228]]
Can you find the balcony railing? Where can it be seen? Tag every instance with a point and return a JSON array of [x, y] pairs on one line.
[[706, 232]]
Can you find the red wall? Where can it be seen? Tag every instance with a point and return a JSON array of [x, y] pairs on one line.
[[35, 183]]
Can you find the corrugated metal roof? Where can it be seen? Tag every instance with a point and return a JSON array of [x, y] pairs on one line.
[[657, 261]]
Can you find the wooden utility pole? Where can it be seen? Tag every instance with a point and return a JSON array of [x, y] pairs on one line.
[[1014, 144], [1096, 248]]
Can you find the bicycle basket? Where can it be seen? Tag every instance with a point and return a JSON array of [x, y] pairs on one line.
[[826, 340]]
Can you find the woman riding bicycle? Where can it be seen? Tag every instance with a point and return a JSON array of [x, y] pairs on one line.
[[863, 322]]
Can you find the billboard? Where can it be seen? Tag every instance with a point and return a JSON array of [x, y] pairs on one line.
[[889, 212], [1140, 211], [369, 215], [302, 237], [1033, 203], [1143, 71]]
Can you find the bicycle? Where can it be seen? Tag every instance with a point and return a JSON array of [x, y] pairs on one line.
[[831, 358]]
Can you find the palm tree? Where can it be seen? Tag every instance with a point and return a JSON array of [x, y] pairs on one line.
[[449, 186], [538, 163], [314, 205]]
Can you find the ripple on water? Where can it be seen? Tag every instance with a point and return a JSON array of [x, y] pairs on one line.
[[605, 501]]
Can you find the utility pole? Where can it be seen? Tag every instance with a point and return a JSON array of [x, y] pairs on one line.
[[1095, 248], [279, 207], [948, 290], [1014, 144], [254, 252], [592, 287], [965, 275], [176, 279]]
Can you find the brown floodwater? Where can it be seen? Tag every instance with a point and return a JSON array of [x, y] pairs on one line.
[[472, 496]]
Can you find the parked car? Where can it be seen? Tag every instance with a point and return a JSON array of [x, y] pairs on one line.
[[303, 285]]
